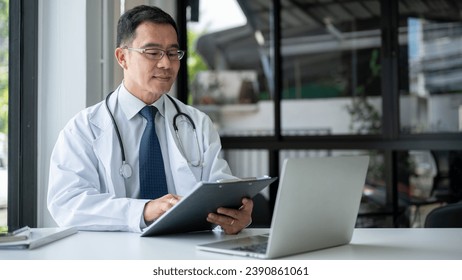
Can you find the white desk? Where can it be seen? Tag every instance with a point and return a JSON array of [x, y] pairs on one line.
[[367, 244]]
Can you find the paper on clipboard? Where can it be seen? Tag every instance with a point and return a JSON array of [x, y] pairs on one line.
[[190, 213]]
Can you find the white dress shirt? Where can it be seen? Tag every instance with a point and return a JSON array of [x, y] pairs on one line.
[[131, 127]]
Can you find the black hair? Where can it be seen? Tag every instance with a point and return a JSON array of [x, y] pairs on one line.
[[129, 21]]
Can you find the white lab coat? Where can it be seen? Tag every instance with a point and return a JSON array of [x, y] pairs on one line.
[[85, 187]]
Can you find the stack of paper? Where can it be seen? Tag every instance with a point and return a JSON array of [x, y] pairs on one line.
[[16, 235], [36, 237]]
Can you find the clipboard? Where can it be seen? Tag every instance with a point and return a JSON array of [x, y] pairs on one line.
[[190, 213]]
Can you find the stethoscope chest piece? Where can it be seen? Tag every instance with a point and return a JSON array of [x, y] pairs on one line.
[[126, 170]]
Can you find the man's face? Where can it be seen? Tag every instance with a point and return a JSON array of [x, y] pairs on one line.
[[145, 77]]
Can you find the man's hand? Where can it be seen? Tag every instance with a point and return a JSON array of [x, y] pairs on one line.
[[232, 221], [157, 207]]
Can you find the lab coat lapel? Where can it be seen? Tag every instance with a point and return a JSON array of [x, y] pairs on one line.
[[107, 150], [183, 177]]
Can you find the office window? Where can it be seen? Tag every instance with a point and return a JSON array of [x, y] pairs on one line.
[[431, 40], [3, 111], [228, 65], [422, 175], [246, 163], [428, 179], [331, 70], [346, 76]]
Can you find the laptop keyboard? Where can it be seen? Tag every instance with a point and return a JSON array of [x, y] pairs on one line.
[[255, 248]]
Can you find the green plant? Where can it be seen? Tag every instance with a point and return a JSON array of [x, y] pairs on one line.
[[4, 4], [364, 116], [196, 63]]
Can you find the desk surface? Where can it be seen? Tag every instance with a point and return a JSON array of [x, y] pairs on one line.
[[370, 244]]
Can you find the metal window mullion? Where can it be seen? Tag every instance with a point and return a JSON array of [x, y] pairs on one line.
[[390, 97], [276, 63], [182, 81], [22, 118]]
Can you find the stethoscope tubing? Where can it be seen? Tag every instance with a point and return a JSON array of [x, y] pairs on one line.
[[125, 169]]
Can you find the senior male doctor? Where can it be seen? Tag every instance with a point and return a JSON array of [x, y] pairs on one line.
[[97, 180]]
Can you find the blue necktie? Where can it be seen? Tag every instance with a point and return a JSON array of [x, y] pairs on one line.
[[152, 172]]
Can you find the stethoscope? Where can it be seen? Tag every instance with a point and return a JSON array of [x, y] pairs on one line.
[[126, 170]]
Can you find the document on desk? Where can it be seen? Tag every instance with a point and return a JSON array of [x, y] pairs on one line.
[[39, 237], [190, 213], [15, 235]]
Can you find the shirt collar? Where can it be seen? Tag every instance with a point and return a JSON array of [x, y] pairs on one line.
[[131, 105]]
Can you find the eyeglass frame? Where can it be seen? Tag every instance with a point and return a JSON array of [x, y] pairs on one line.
[[180, 53]]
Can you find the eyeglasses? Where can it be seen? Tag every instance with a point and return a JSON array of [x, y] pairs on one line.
[[158, 54]]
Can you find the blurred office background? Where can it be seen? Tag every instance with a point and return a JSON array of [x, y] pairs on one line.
[[280, 79]]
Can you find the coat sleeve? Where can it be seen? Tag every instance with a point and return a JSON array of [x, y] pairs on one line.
[[77, 195]]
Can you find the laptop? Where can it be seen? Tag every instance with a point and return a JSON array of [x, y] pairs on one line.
[[316, 207]]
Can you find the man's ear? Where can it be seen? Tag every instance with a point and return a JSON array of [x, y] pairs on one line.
[[120, 56]]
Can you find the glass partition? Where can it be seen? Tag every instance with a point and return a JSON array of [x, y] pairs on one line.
[[428, 179], [431, 40], [331, 67], [252, 163], [228, 64]]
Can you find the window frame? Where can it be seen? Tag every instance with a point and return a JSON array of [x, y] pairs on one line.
[[22, 113]]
